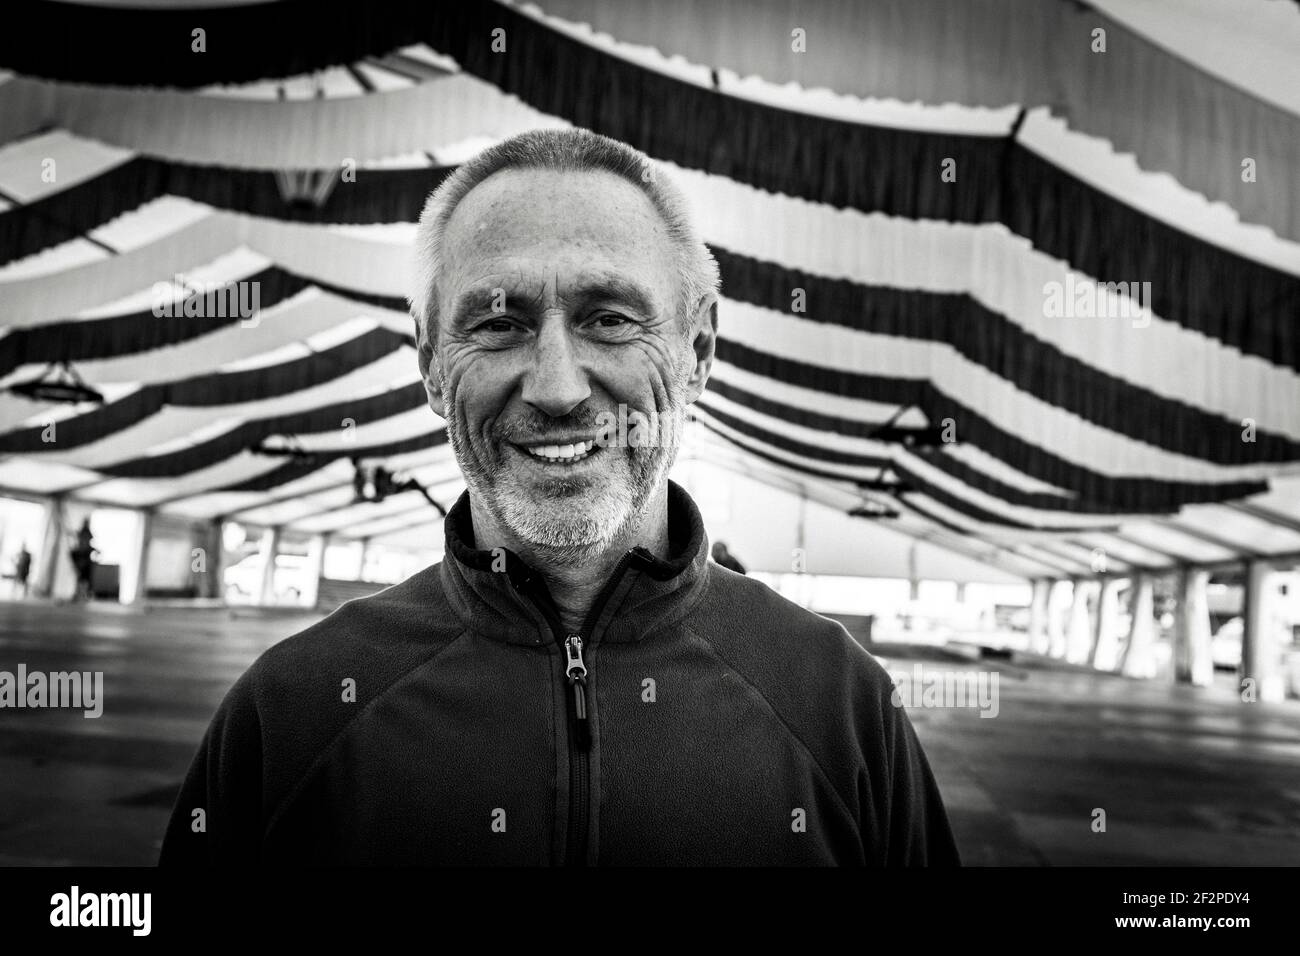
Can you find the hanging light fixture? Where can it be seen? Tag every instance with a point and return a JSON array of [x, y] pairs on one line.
[[58, 383]]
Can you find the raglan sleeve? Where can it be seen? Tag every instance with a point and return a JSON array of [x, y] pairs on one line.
[[217, 817], [918, 832]]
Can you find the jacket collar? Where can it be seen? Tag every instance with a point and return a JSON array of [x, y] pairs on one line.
[[495, 593]]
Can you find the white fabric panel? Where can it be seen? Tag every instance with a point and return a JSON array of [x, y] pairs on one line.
[[763, 531], [65, 256], [1174, 541], [57, 156], [145, 224], [230, 503], [15, 410], [1234, 527], [1035, 421], [49, 298], [1127, 552], [1251, 45], [418, 421], [712, 450], [977, 458], [409, 505], [237, 263], [261, 134], [286, 512], [144, 492], [1282, 497], [41, 478]]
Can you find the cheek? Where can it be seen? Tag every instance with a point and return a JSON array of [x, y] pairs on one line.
[[640, 377], [480, 386]]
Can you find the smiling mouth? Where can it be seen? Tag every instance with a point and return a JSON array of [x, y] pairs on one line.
[[560, 454]]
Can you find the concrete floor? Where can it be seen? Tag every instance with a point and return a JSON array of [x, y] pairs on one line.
[[1185, 776]]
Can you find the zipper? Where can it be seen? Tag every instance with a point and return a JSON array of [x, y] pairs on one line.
[[575, 670], [579, 754]]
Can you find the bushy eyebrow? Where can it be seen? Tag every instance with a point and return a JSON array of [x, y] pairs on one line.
[[601, 288], [477, 302], [613, 288]]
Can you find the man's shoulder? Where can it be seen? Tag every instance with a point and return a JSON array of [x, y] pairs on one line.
[[376, 636], [749, 623]]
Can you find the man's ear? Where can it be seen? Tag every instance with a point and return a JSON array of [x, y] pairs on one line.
[[704, 343], [429, 369]]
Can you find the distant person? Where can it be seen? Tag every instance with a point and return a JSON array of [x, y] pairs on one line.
[[22, 568], [83, 561], [726, 558]]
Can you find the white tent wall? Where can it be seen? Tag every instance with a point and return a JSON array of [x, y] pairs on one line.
[[763, 526]]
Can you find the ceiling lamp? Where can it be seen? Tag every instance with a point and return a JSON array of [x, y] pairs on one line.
[[58, 383]]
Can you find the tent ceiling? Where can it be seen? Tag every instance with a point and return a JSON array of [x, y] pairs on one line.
[[1151, 426]]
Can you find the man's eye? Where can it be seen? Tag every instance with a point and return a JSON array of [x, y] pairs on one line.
[[609, 320], [497, 325]]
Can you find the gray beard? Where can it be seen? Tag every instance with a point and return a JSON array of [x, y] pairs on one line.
[[563, 529]]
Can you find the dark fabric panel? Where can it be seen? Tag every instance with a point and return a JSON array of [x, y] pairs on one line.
[[994, 342], [329, 418], [92, 43], [88, 427], [1129, 494], [228, 388], [301, 467], [387, 195], [130, 333], [217, 388]]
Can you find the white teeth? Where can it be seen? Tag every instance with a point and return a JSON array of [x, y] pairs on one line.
[[564, 453]]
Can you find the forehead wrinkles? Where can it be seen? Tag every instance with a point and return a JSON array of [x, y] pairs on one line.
[[544, 214]]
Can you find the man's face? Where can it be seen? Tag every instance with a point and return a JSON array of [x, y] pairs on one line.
[[559, 311]]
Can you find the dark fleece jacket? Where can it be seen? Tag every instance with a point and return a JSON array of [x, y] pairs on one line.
[[717, 724]]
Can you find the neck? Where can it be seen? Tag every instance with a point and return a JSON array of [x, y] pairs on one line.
[[575, 577]]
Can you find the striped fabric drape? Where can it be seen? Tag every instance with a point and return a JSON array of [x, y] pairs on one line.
[[1095, 360]]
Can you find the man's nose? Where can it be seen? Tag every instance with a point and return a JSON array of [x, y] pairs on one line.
[[555, 383]]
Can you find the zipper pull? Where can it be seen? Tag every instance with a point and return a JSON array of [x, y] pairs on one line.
[[576, 671]]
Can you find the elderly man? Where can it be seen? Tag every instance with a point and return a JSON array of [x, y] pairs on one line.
[[575, 683]]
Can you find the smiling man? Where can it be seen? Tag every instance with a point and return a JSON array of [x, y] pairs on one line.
[[575, 683]]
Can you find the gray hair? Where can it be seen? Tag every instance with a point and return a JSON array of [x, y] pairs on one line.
[[575, 150]]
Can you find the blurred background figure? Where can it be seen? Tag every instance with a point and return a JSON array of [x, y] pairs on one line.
[[22, 568], [83, 561], [726, 558]]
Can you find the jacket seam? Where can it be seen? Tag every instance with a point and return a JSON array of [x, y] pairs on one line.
[[321, 757], [821, 771]]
